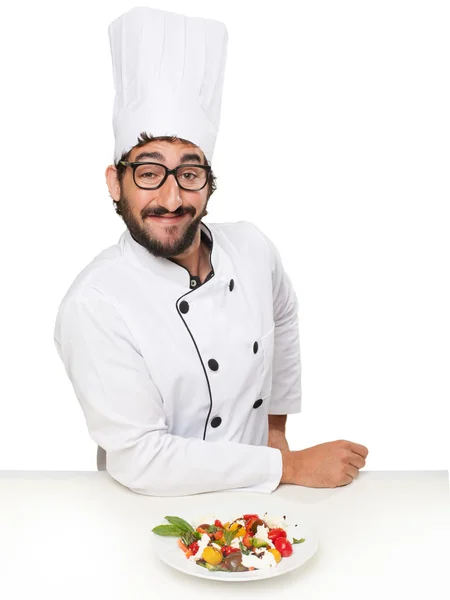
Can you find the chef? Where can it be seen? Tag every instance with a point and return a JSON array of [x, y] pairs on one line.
[[181, 341]]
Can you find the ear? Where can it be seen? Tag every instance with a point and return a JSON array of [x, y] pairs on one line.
[[112, 181]]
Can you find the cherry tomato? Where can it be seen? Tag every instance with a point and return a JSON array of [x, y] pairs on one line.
[[284, 547], [248, 517], [193, 547], [227, 550], [217, 523], [274, 534], [247, 540], [218, 535]]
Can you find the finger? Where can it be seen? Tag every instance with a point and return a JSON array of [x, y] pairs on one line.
[[358, 449], [351, 471], [357, 461], [346, 479]]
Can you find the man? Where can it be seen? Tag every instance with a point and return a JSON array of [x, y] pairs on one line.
[[181, 341]]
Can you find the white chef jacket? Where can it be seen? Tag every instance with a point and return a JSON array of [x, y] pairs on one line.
[[176, 383]]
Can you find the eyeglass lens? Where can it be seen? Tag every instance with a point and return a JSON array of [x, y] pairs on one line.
[[150, 176]]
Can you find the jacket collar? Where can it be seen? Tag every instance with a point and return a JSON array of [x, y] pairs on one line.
[[164, 267]]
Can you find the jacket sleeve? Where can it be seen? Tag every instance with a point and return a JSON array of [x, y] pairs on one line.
[[125, 415], [286, 395]]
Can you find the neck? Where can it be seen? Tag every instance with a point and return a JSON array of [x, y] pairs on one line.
[[196, 259]]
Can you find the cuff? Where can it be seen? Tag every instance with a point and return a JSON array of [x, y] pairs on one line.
[[274, 472]]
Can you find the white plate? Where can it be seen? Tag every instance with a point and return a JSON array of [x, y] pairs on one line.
[[228, 507]]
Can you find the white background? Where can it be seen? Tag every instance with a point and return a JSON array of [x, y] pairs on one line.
[[349, 103]]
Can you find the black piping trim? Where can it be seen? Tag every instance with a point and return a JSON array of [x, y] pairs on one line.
[[210, 254], [192, 337]]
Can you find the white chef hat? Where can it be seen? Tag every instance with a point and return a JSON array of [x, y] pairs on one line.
[[168, 74]]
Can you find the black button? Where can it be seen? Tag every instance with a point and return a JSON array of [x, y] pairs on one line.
[[231, 285], [193, 283], [258, 403], [213, 364], [184, 307], [255, 347], [216, 422]]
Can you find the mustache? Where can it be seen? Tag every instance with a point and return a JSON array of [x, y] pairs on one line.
[[160, 212]]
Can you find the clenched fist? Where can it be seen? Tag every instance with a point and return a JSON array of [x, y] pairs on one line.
[[327, 465]]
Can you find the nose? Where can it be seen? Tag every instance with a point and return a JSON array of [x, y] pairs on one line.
[[169, 194]]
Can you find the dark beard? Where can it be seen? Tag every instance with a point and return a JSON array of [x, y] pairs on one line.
[[153, 245]]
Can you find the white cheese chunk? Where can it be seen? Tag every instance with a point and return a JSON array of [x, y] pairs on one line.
[[204, 541], [266, 560], [275, 522], [262, 533]]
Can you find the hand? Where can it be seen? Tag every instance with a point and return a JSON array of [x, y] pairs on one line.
[[327, 465]]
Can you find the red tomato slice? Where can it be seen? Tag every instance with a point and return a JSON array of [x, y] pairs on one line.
[[193, 547], [274, 534], [284, 547], [250, 523], [227, 550]]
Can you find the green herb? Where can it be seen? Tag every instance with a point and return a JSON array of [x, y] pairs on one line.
[[229, 536], [168, 530], [298, 541], [244, 550], [212, 529], [180, 523], [189, 537]]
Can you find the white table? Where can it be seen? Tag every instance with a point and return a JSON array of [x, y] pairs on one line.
[[82, 535]]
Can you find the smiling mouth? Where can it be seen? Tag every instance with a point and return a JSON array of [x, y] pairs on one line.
[[166, 218]]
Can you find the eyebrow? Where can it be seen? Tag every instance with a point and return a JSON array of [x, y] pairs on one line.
[[188, 157]]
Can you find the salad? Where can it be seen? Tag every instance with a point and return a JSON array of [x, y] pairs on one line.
[[247, 543]]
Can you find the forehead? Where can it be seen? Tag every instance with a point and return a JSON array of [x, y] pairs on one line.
[[170, 150]]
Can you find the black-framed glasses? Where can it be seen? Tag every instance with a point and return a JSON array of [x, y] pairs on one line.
[[151, 176]]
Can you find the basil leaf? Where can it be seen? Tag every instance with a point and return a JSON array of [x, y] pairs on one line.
[[167, 530], [294, 541], [180, 523], [189, 537], [229, 536], [244, 550], [212, 529]]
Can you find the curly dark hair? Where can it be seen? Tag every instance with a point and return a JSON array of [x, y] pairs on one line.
[[145, 138]]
